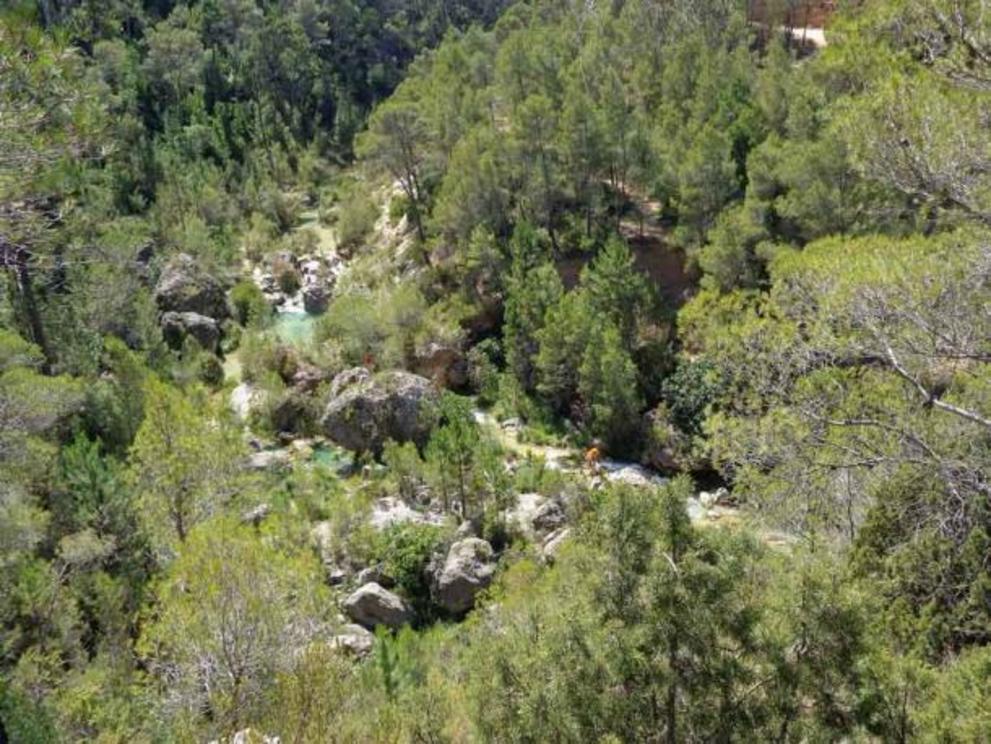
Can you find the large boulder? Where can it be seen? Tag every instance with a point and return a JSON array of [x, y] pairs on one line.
[[467, 570], [374, 605], [177, 326], [393, 405], [521, 516], [184, 287]]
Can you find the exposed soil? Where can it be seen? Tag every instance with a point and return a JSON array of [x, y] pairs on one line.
[[653, 253]]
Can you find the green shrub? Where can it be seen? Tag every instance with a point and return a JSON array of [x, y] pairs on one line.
[[689, 391], [357, 214], [483, 371], [398, 208], [405, 551], [16, 352], [211, 369], [286, 276], [249, 302]]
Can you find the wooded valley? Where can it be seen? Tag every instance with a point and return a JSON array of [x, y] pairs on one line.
[[477, 370]]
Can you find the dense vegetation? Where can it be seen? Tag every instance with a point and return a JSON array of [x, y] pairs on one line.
[[650, 228]]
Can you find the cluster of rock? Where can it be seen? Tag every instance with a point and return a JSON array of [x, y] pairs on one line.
[[542, 520], [456, 579], [192, 303], [295, 282]]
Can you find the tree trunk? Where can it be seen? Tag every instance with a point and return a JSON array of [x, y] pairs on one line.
[[671, 708], [16, 258]]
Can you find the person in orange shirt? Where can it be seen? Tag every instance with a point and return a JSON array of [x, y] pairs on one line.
[[592, 456]]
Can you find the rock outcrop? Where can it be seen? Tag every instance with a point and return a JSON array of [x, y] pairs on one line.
[[443, 364], [467, 570], [362, 415], [315, 298], [553, 542], [177, 326], [184, 287], [373, 605]]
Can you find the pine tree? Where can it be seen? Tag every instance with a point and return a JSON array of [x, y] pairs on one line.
[[617, 290], [608, 386]]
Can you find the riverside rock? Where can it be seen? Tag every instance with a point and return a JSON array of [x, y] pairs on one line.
[[177, 326], [372, 409], [184, 287]]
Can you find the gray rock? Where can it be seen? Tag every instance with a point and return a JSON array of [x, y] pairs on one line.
[[375, 575], [521, 516], [549, 517], [467, 570], [315, 298], [269, 460], [257, 515], [511, 424], [343, 380], [392, 405], [354, 640], [553, 542], [719, 497], [245, 398], [374, 605], [249, 736], [389, 511], [184, 287], [289, 413], [664, 445], [696, 512], [468, 528], [630, 474], [176, 326], [307, 378], [535, 514]]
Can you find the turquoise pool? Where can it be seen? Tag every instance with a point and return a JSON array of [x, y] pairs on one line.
[[296, 327]]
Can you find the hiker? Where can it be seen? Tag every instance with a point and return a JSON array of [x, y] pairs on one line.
[[592, 456]]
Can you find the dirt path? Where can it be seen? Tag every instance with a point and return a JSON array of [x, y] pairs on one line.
[[569, 460]]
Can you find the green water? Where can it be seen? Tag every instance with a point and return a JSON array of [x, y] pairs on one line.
[[294, 328], [331, 457]]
